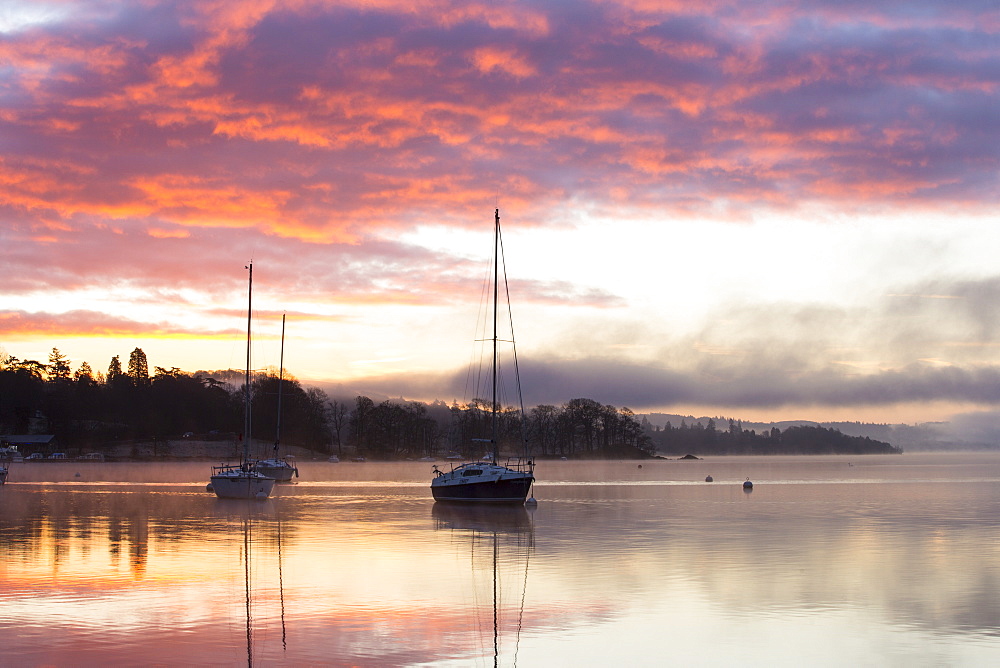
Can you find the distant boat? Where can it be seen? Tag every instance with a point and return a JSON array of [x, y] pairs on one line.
[[334, 459], [489, 481], [240, 481], [278, 467], [3, 473]]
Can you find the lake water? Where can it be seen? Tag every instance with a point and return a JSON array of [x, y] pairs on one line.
[[828, 561]]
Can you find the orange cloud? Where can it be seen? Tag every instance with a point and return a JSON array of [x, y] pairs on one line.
[[158, 233], [508, 61], [21, 324]]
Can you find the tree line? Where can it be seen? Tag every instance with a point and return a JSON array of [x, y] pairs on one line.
[[90, 409], [581, 428], [87, 409]]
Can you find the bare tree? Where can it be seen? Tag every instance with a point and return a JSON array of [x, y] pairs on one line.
[[338, 420]]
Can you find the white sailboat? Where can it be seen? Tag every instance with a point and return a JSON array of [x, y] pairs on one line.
[[240, 481], [278, 467], [489, 481]]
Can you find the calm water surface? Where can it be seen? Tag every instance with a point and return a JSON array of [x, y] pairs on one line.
[[874, 561]]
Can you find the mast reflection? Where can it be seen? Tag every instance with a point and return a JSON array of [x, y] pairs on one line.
[[500, 541], [252, 517]]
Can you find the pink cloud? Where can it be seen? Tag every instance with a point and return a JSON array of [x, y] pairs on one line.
[[80, 323], [571, 86], [153, 146]]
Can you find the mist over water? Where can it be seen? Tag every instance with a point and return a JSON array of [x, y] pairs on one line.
[[883, 560]]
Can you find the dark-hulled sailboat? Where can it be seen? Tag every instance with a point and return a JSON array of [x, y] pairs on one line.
[[483, 482]]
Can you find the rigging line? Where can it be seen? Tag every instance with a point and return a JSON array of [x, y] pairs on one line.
[[474, 374], [513, 345], [524, 591], [246, 576], [496, 628], [246, 380], [281, 591], [281, 377], [476, 603], [496, 289]]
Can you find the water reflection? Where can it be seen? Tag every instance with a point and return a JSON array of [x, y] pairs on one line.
[[618, 565], [259, 525], [499, 541]]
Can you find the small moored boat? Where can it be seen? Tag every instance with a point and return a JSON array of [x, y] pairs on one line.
[[278, 467]]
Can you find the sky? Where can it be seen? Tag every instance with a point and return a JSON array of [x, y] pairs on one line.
[[768, 210]]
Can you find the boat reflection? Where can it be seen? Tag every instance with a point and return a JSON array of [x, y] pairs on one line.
[[500, 541], [235, 510], [483, 518], [260, 528]]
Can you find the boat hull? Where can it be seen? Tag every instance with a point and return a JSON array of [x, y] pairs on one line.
[[279, 469], [243, 485], [506, 491]]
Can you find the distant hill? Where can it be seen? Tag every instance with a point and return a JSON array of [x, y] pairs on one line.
[[725, 436], [924, 436]]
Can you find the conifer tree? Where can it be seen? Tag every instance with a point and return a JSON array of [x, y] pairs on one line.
[[138, 368], [114, 370], [58, 366], [84, 373]]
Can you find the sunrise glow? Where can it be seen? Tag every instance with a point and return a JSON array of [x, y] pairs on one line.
[[723, 207]]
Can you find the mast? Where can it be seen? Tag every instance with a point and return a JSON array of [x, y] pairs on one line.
[[496, 289], [246, 377], [281, 375]]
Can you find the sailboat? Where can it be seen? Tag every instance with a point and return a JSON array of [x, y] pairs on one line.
[[240, 481], [488, 481], [278, 467]]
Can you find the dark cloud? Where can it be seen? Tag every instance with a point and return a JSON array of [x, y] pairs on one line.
[[930, 342], [647, 387], [977, 429]]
